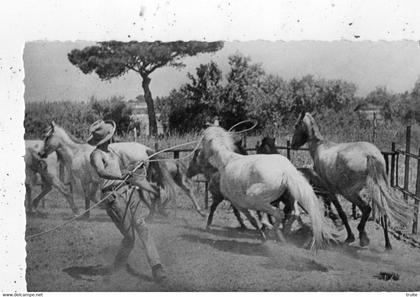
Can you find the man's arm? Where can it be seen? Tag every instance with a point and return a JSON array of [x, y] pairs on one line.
[[97, 162]]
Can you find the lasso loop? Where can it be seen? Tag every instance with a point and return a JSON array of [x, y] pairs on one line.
[[255, 123]]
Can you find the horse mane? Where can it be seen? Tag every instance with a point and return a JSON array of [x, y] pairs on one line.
[[219, 138], [73, 138], [314, 129]]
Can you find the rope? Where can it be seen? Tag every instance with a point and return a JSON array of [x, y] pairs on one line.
[[245, 130], [123, 182]]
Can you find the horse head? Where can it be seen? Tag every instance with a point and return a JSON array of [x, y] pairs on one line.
[[306, 130], [268, 146], [301, 133], [194, 167], [51, 141]]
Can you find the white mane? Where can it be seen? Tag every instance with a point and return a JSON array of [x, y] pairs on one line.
[[217, 138]]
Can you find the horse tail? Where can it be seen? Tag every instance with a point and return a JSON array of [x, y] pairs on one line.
[[302, 192], [397, 210], [162, 176]]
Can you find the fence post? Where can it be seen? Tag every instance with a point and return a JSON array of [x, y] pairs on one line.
[[135, 134], [416, 201], [407, 160], [392, 164], [374, 127], [176, 154], [288, 149], [206, 195]]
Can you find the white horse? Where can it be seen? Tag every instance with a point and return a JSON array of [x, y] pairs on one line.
[[76, 156], [37, 170], [349, 169], [253, 181]]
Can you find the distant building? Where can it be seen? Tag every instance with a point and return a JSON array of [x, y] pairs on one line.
[[140, 116], [370, 111]]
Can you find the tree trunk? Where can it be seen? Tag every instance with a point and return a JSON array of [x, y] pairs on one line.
[[150, 106]]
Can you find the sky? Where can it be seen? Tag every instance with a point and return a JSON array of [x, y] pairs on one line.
[[395, 65]]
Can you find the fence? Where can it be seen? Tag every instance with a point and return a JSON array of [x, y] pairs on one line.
[[404, 189]]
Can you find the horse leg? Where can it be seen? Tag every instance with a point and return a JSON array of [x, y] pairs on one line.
[[238, 217], [67, 194], [86, 192], [46, 188], [217, 199], [289, 218], [384, 223], [28, 198], [183, 185], [254, 222], [333, 198], [365, 209], [275, 212]]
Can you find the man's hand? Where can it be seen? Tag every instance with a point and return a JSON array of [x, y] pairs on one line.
[[126, 174]]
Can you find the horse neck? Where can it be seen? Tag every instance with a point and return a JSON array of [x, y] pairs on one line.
[[67, 148], [315, 139], [222, 157]]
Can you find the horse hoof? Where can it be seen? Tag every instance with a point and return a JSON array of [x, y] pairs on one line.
[[350, 239], [202, 214], [364, 240]]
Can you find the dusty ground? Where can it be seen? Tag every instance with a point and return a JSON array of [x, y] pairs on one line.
[[221, 259]]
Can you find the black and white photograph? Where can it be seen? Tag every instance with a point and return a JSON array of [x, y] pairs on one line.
[[210, 146]]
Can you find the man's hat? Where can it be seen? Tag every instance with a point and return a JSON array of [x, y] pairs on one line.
[[101, 131]]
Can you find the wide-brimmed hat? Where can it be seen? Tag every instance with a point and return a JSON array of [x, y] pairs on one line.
[[101, 131]]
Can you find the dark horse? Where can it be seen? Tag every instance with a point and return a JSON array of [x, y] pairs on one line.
[[268, 146]]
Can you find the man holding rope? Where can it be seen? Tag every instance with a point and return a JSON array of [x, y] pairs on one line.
[[121, 206]]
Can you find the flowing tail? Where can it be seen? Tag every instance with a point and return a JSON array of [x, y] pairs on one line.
[[397, 210], [302, 192], [159, 173]]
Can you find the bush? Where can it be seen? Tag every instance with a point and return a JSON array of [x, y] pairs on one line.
[[75, 117]]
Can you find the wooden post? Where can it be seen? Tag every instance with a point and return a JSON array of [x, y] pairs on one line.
[[416, 201], [156, 146], [386, 157], [374, 127], [407, 160], [135, 134], [288, 150], [244, 141], [176, 154], [206, 195], [392, 163]]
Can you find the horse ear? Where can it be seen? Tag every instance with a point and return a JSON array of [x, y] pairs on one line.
[[302, 115], [52, 124]]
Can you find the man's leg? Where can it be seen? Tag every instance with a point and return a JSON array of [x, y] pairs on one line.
[[119, 212], [147, 241]]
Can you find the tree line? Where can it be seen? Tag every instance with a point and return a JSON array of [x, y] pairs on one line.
[[246, 91], [76, 117]]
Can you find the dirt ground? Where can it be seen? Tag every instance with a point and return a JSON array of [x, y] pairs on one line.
[[221, 259]]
